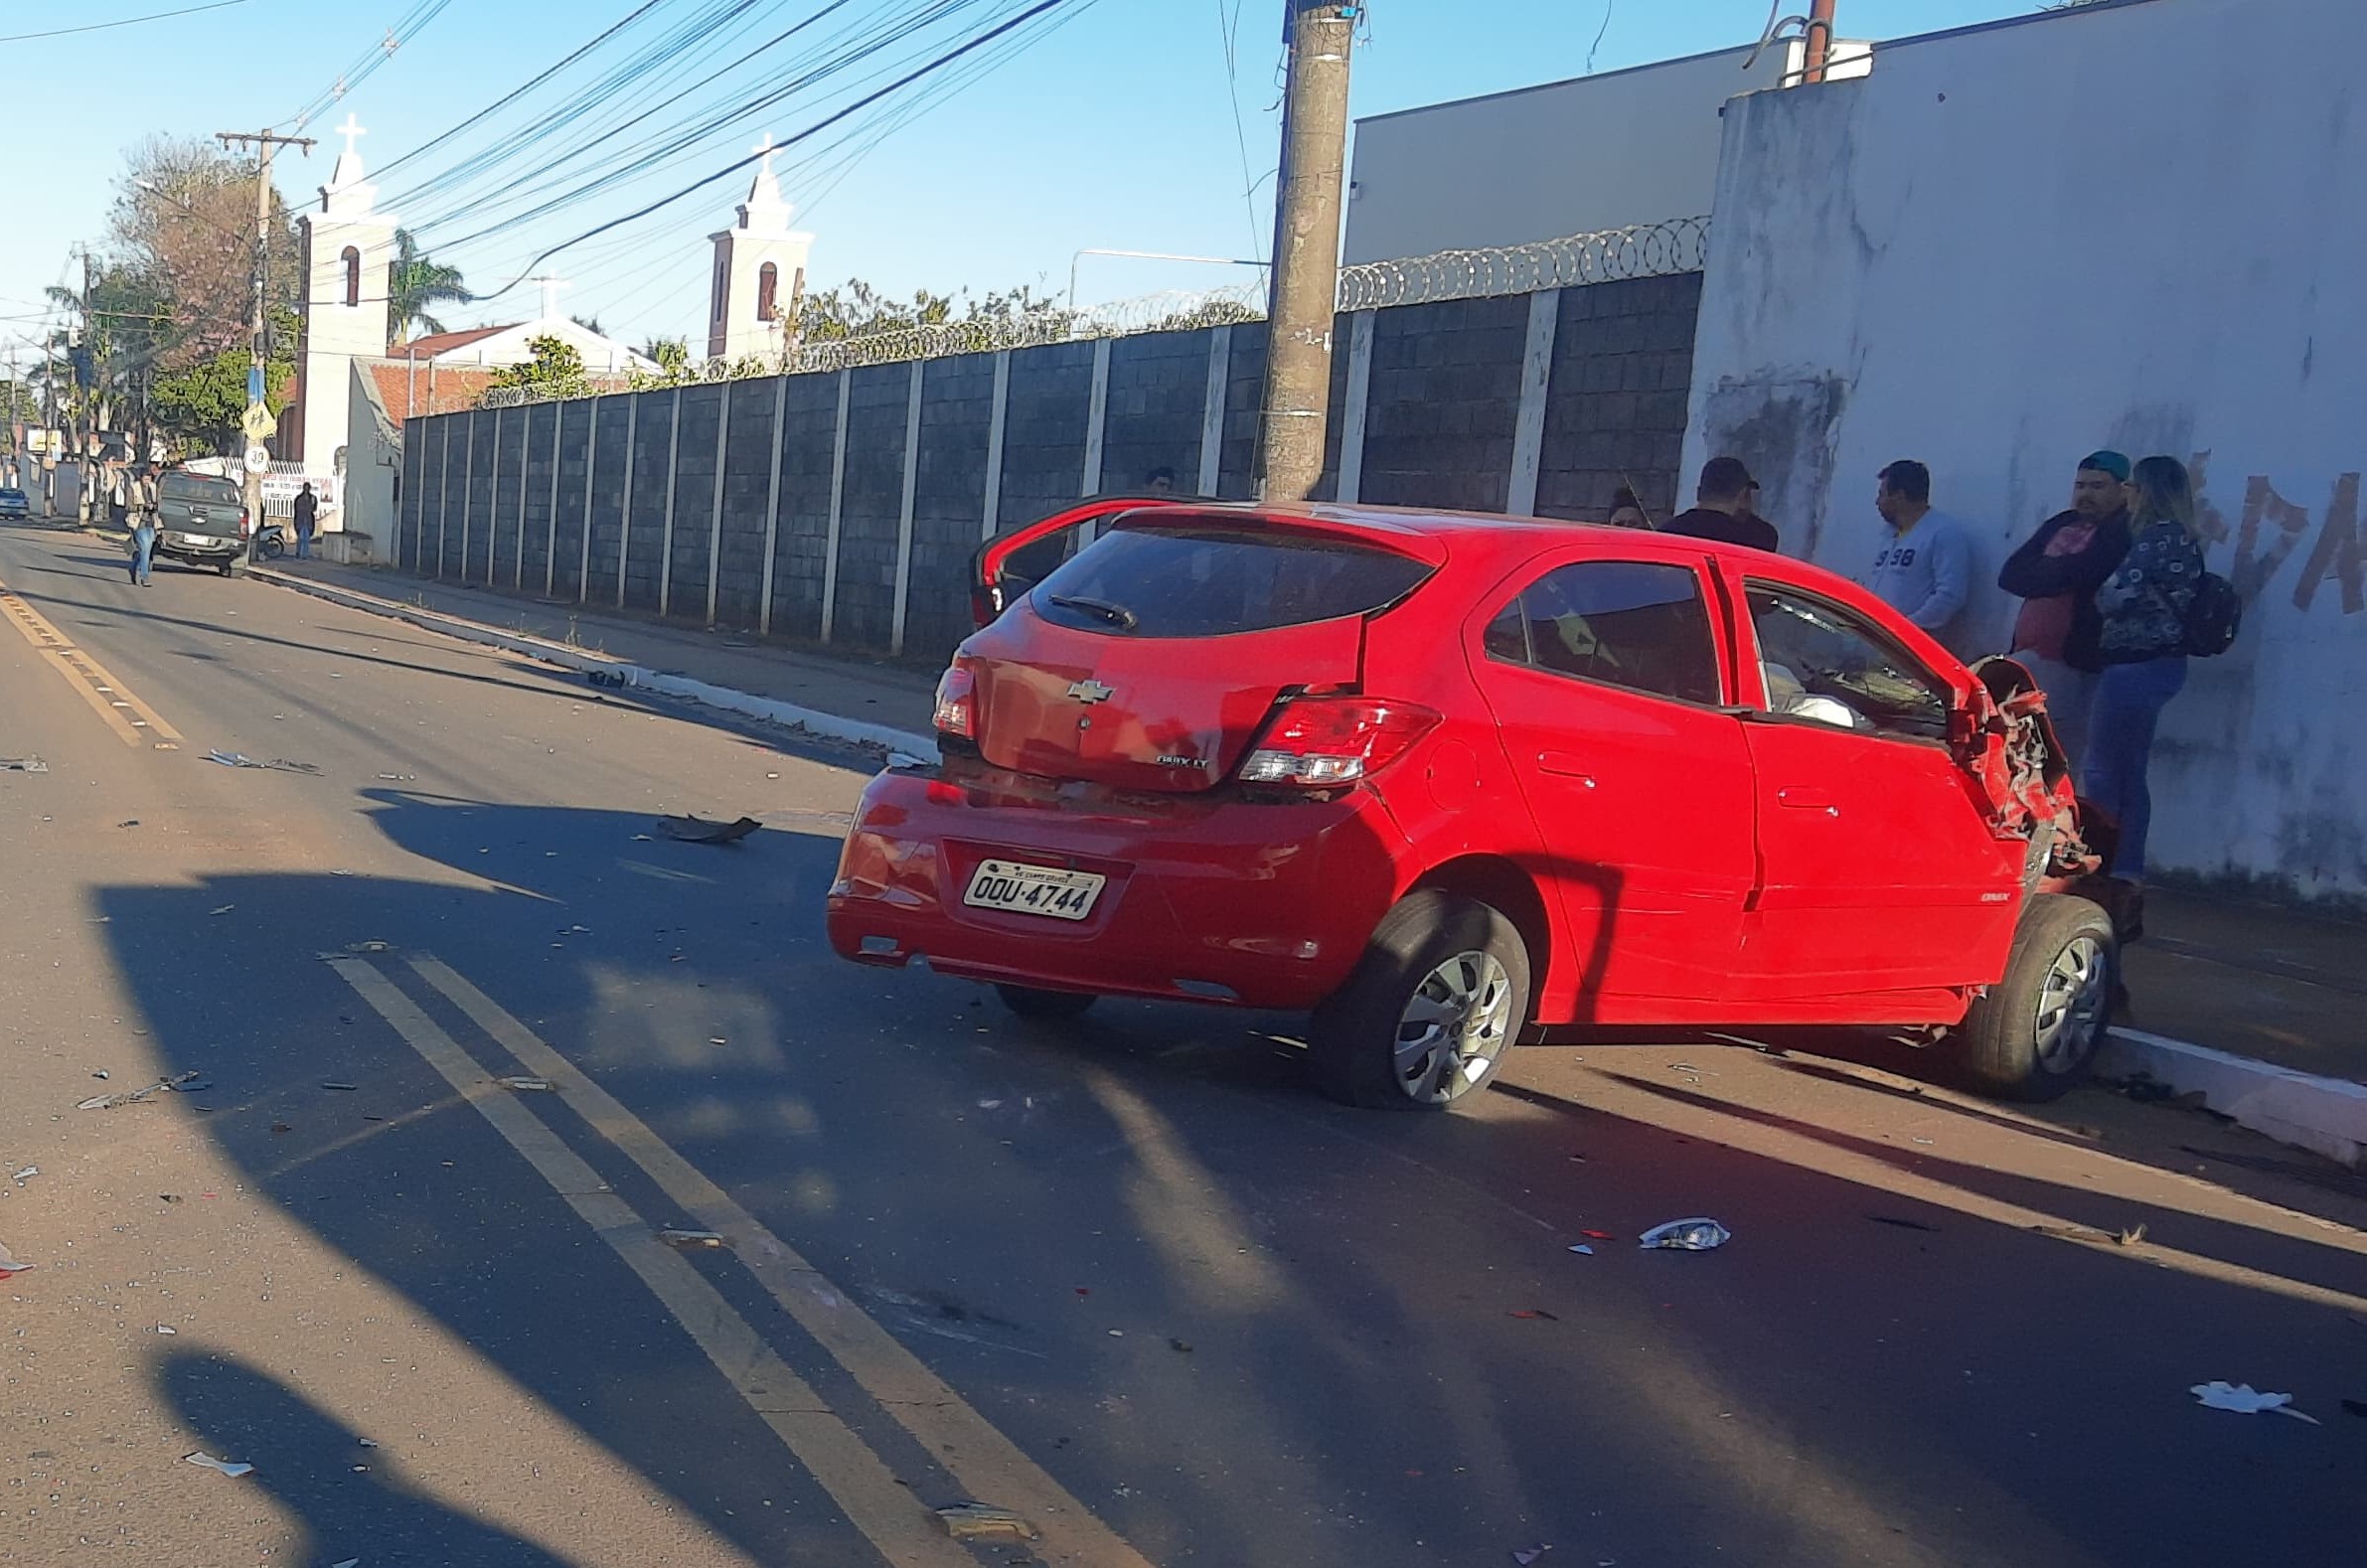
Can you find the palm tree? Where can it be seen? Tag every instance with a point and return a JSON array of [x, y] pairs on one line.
[[415, 285]]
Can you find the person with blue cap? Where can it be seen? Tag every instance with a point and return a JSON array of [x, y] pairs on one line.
[[2056, 575]]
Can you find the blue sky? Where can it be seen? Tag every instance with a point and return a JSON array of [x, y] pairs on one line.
[[1115, 130]]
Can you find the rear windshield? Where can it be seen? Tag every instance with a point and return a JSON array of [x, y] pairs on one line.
[[197, 487], [1211, 582]]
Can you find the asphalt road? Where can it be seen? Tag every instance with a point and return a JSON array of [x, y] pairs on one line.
[[1128, 1278]]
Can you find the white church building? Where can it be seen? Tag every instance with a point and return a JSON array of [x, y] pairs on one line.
[[355, 391]]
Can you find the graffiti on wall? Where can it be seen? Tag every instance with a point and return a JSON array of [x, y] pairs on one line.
[[2270, 530]]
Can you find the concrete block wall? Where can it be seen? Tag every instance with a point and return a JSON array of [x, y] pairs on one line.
[[844, 507]]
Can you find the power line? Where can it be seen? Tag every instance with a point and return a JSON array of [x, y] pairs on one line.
[[129, 21], [1229, 33], [365, 64]]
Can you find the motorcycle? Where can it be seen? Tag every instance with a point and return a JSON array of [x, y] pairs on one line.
[[271, 543]]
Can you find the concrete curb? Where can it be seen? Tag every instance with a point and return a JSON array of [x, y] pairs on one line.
[[2326, 1116], [747, 705]]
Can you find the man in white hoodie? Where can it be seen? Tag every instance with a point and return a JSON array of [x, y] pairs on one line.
[[1924, 570]]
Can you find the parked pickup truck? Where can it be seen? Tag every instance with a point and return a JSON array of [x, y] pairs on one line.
[[1453, 781], [201, 521]]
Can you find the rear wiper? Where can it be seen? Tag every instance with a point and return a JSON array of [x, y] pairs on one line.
[[1117, 615]]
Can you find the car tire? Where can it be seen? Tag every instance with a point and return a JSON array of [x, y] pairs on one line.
[[1028, 1001], [1431, 1011], [2036, 1032]]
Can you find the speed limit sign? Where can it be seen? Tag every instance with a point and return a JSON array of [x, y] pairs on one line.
[[258, 460]]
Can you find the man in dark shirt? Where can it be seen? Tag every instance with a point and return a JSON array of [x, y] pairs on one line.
[[1723, 507], [2056, 574]]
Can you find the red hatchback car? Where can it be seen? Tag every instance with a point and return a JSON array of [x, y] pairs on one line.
[[1450, 781]]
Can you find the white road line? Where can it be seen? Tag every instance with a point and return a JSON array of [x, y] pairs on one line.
[[988, 1464], [887, 1514]]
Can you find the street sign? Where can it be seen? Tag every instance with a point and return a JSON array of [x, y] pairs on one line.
[[257, 422], [258, 460], [255, 383]]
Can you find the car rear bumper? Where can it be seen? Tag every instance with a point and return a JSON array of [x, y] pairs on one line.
[[1209, 900]]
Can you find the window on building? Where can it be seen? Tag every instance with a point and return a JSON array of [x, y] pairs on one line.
[[768, 285], [1634, 624], [723, 287], [353, 275]]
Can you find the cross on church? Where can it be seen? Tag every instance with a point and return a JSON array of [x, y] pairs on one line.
[[764, 149], [350, 130]]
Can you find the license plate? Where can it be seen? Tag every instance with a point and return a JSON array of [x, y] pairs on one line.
[[1034, 889]]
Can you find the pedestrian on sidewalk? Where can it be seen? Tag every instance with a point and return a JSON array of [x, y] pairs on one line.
[[2055, 575], [1627, 511], [2143, 607], [143, 541], [1924, 570], [1724, 508], [308, 511]]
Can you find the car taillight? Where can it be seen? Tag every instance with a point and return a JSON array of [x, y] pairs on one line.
[[1327, 742], [957, 703], [245, 524]]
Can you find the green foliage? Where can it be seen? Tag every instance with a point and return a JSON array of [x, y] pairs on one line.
[[855, 309], [416, 285], [557, 369]]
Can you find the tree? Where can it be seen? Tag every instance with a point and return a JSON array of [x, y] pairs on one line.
[[668, 353], [183, 226], [557, 369], [855, 309], [416, 285], [590, 324], [200, 404]]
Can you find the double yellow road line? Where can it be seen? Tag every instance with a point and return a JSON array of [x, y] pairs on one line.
[[135, 723], [978, 1457]]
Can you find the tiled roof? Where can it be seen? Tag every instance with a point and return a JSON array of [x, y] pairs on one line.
[[406, 389], [430, 347]]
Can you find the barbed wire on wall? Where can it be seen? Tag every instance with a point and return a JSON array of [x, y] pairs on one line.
[[1574, 260]]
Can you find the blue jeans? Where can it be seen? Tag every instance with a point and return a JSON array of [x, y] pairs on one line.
[[143, 551], [2128, 701], [303, 543]]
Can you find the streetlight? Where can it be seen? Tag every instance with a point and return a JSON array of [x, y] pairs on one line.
[[1148, 255]]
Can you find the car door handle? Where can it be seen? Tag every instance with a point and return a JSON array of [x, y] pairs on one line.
[[1563, 765], [1800, 799]]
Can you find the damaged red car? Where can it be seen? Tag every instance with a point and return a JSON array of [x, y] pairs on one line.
[[1454, 782]]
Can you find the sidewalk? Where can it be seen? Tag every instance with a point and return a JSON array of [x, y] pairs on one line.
[[2262, 1010], [857, 691]]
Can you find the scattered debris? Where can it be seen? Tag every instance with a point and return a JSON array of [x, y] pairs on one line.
[[100, 1075], [972, 1522], [369, 947], [23, 765], [166, 1328], [129, 822], [1598, 1235], [366, 1442], [2356, 1407], [1687, 1235], [1532, 1554], [1924, 1141], [236, 759], [225, 909], [346, 1087], [2243, 1399], [608, 678], [108, 1102], [1903, 1225], [2089, 1233], [690, 1240], [698, 830], [1184, 1346], [716, 1039], [350, 1562], [899, 761], [523, 1083], [10, 1264], [210, 1463], [1582, 1249], [1535, 1312], [26, 1174], [399, 778], [169, 1197]]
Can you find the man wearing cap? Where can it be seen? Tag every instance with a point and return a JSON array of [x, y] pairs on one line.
[[1723, 507], [2056, 574]]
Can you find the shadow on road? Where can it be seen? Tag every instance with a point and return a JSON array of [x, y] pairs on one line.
[[345, 1494], [1243, 1326]]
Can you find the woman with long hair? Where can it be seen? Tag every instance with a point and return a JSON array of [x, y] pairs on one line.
[[2143, 605]]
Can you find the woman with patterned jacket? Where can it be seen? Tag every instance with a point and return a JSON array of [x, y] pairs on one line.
[[2143, 606]]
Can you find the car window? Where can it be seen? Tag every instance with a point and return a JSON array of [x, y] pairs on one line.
[[1835, 666], [1636, 624], [199, 488], [1213, 581]]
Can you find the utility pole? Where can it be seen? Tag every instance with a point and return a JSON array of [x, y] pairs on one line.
[[258, 389], [1306, 287], [87, 404]]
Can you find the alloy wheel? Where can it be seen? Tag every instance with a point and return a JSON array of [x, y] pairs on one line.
[[1453, 1028], [2070, 1016]]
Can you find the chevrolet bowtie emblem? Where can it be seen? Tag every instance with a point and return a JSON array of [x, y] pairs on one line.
[[1090, 690]]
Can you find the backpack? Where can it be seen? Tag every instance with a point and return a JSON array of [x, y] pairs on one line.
[[2212, 617]]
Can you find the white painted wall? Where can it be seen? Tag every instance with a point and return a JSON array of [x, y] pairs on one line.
[[2143, 226], [1625, 147], [374, 453]]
